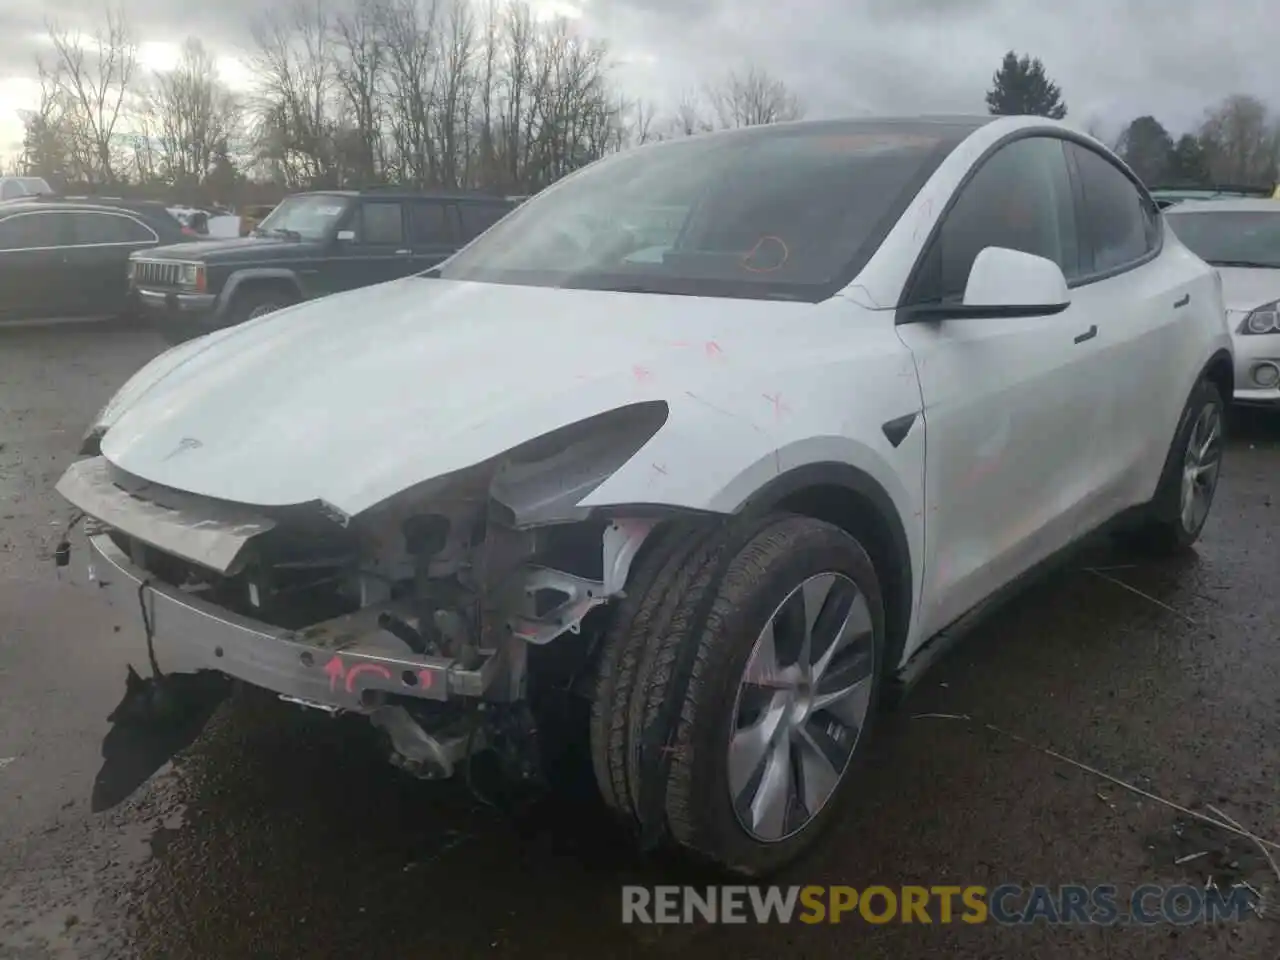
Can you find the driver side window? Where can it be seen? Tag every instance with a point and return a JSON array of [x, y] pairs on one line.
[[1020, 198]]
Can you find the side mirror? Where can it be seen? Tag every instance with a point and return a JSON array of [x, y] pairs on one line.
[[1010, 283], [1004, 283], [345, 235]]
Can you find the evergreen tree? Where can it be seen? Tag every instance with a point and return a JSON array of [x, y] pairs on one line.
[[1021, 87], [1147, 148]]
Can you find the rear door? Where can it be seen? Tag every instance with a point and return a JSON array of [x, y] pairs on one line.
[[477, 216], [1146, 297], [98, 257], [35, 279], [434, 232], [380, 249]]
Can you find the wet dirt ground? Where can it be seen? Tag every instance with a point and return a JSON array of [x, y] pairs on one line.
[[279, 833]]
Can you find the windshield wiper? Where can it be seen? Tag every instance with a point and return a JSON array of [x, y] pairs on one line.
[[1244, 263], [283, 232]]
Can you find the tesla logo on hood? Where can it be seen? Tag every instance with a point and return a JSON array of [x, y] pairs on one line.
[[185, 444]]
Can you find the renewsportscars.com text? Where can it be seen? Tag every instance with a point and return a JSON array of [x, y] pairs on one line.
[[1005, 904]]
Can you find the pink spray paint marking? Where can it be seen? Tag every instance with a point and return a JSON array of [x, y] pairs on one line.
[[779, 408], [426, 678], [335, 671], [712, 349], [365, 668], [642, 374]]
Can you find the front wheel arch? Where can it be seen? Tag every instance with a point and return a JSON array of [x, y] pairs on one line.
[[854, 501]]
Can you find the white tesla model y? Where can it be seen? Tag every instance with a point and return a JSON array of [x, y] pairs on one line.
[[718, 432]]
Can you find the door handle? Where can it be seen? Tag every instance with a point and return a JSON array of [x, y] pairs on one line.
[[403, 253], [1182, 301], [1088, 334]]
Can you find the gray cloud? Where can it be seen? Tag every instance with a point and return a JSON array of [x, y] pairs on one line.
[[1113, 60]]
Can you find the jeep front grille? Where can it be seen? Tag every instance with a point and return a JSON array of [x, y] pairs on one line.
[[158, 273]]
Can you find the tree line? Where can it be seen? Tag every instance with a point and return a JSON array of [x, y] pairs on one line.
[[423, 93], [445, 94], [1236, 143]]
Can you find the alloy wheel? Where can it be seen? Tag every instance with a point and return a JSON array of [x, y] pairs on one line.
[[801, 706], [1200, 468]]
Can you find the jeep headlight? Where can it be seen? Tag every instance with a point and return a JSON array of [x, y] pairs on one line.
[[192, 275], [1264, 319]]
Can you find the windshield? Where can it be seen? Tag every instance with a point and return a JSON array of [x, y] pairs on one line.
[[304, 218], [1230, 238], [790, 213]]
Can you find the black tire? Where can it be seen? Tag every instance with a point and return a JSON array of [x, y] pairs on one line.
[[624, 643], [671, 718], [1165, 530], [257, 302]]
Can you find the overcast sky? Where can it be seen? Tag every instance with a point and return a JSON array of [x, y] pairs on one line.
[[1114, 59]]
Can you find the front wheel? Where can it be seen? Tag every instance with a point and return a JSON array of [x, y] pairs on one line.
[[1189, 482], [745, 756]]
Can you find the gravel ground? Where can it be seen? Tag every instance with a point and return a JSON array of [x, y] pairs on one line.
[[276, 833]]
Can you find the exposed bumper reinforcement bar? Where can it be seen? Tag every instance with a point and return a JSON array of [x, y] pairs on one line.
[[344, 664]]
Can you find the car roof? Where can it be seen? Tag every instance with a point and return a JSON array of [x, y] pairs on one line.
[[1227, 205], [145, 208], [952, 127], [402, 193]]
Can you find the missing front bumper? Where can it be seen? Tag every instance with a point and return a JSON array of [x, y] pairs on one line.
[[348, 663]]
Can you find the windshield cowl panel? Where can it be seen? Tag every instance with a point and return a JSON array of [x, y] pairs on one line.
[[786, 214]]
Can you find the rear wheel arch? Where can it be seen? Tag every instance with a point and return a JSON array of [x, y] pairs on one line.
[[854, 501]]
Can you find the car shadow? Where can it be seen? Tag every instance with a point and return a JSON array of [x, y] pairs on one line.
[[155, 719]]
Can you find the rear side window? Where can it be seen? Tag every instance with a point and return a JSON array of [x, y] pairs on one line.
[[96, 228], [11, 189], [32, 230], [1020, 199], [479, 217], [381, 222], [1120, 225], [431, 224]]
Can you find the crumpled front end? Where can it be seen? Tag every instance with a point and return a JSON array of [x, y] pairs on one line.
[[420, 612]]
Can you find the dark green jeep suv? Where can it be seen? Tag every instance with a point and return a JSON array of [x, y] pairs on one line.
[[311, 245]]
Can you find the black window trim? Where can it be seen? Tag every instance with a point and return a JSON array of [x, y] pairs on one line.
[[902, 314], [109, 211]]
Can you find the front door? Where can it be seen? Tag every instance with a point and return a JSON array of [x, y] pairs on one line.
[[1007, 402], [378, 252], [35, 279]]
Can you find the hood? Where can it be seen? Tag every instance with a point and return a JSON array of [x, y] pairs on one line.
[[352, 398], [1246, 288], [234, 249]]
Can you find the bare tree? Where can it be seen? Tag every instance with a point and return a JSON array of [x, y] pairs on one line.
[[94, 86], [193, 113], [412, 49], [48, 143], [753, 97], [454, 83], [1241, 141], [360, 52], [294, 67]]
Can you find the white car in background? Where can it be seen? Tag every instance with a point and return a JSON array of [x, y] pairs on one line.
[[18, 188], [725, 482], [1241, 238]]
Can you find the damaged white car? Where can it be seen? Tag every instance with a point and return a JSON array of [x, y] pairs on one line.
[[725, 479]]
